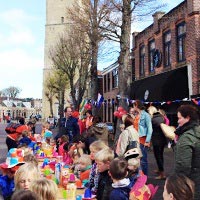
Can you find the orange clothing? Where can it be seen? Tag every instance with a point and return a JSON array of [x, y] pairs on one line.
[[15, 136], [136, 123], [142, 140], [85, 175]]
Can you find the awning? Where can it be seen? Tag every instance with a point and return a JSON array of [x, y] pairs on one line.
[[168, 86]]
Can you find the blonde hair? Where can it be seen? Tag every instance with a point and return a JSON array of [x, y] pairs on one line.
[[24, 171], [105, 155], [45, 189], [30, 158], [46, 125], [98, 145], [162, 112], [135, 162], [152, 110], [85, 158], [25, 133], [25, 149]]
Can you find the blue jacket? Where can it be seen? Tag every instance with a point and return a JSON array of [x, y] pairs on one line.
[[70, 127], [6, 186], [121, 190], [145, 126], [25, 140]]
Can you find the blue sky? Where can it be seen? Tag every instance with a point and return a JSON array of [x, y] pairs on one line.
[[22, 32]]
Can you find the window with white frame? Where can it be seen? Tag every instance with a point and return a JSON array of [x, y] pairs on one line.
[[181, 34], [167, 49], [151, 53]]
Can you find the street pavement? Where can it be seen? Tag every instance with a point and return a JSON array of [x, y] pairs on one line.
[[168, 158]]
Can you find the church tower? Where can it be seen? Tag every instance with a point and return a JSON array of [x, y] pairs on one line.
[[56, 23]]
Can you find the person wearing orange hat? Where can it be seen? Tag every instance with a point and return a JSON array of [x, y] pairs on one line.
[[15, 158], [12, 138]]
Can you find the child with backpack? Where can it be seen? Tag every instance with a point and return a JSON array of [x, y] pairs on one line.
[[14, 132]]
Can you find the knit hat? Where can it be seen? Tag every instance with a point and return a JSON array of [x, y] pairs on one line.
[[14, 157]]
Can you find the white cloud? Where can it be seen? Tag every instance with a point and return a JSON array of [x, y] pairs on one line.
[[15, 18], [19, 59], [17, 38]]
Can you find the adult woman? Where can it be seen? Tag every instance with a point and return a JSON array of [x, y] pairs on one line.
[[187, 149], [143, 125], [158, 140], [127, 135], [178, 186]]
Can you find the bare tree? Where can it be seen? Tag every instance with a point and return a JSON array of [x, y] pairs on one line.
[[87, 15], [72, 56], [56, 86], [117, 27], [111, 20], [11, 92], [50, 92]]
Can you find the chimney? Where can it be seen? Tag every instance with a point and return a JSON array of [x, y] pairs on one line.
[[156, 17]]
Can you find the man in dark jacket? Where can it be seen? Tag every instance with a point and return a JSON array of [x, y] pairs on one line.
[[69, 125]]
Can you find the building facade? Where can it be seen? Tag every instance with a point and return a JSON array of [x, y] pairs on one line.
[[57, 23], [166, 56], [110, 91], [17, 108]]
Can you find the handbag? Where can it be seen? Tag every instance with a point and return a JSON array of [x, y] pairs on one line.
[[168, 131]]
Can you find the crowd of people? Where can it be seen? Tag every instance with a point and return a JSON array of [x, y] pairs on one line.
[[109, 172]]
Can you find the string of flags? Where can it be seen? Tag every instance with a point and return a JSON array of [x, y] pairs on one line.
[[101, 101]]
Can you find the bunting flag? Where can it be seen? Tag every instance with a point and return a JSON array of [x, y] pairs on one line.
[[100, 100], [82, 105]]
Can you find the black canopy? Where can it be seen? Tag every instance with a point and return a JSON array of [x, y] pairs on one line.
[[168, 86]]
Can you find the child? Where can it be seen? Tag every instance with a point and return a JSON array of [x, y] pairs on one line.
[[45, 189], [25, 139], [64, 139], [84, 167], [13, 161], [45, 126], [94, 175], [103, 159], [25, 175], [24, 195], [30, 158], [121, 185], [140, 189], [47, 136]]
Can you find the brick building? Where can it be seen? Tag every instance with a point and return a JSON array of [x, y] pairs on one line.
[[110, 91], [166, 56]]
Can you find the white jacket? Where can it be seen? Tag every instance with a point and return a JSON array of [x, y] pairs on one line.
[[129, 134]]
